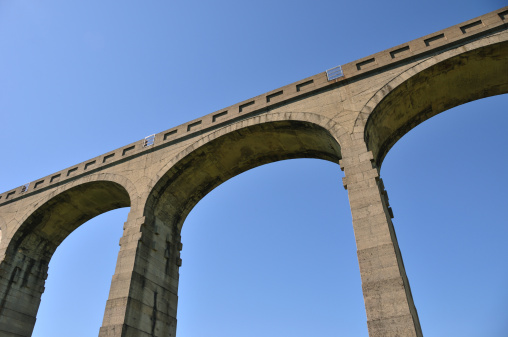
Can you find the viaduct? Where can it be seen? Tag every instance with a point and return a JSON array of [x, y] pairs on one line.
[[350, 115]]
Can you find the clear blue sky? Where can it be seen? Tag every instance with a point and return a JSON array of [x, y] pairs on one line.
[[270, 252]]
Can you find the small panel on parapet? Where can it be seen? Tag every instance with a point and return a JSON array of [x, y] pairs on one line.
[[334, 73], [149, 140]]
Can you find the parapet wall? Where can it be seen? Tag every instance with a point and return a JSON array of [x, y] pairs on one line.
[[419, 48]]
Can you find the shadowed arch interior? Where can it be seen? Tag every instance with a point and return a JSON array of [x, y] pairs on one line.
[[56, 219], [464, 78], [31, 248], [189, 180]]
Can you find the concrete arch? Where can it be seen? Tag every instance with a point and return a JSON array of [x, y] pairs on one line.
[[93, 180], [234, 149], [2, 230], [334, 128], [193, 173], [41, 231], [435, 85], [154, 244]]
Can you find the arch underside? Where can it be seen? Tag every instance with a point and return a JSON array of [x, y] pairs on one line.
[[29, 251], [51, 223], [205, 168], [464, 78]]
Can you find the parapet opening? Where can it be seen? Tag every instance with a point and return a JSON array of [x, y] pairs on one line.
[[193, 125], [219, 115], [301, 85], [243, 106]]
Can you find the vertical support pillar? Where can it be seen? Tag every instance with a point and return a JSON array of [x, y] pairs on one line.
[[388, 300], [143, 295], [22, 278]]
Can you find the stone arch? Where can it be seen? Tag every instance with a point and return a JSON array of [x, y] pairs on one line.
[[2, 229], [223, 154], [432, 86], [188, 177], [102, 178], [41, 230]]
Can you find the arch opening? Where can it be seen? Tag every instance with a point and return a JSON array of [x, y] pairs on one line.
[[205, 168], [196, 171], [272, 252], [32, 246], [446, 180], [51, 223], [470, 76], [79, 278]]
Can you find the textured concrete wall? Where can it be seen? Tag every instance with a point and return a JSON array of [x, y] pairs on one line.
[[353, 121]]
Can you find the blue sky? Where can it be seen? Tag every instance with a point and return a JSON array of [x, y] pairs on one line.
[[270, 252]]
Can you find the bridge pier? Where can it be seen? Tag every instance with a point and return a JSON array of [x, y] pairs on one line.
[[22, 279], [143, 295], [386, 292]]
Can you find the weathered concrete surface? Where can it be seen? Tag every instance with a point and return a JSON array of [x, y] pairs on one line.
[[352, 121]]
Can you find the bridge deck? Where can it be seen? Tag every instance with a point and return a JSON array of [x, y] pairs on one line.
[[421, 47]]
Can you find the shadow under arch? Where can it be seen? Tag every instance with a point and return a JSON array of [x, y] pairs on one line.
[[463, 78], [29, 251], [203, 168]]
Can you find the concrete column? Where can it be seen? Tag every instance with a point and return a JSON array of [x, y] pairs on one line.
[[143, 295], [388, 301], [22, 279]]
